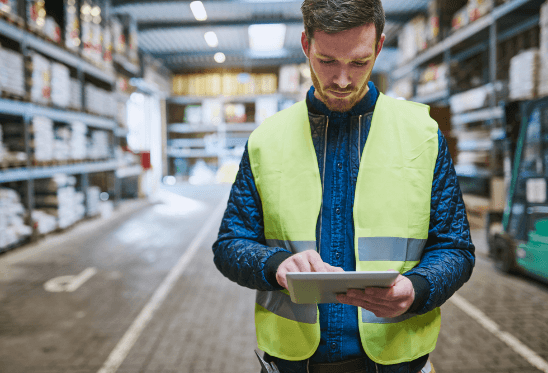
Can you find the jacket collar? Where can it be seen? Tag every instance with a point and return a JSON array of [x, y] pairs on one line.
[[366, 105]]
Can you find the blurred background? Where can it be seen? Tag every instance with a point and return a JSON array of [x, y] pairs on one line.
[[122, 125]]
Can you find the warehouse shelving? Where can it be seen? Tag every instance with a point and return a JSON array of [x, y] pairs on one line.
[[481, 41], [33, 173], [53, 51], [105, 170], [20, 108], [213, 142], [471, 30]]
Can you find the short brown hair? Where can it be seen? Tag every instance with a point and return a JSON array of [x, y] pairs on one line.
[[333, 16]]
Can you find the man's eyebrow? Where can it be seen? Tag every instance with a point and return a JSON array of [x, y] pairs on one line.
[[321, 55]]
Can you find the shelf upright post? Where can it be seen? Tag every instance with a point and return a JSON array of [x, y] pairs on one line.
[[27, 120], [447, 61], [492, 79]]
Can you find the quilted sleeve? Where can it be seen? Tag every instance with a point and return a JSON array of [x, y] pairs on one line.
[[448, 257], [240, 252]]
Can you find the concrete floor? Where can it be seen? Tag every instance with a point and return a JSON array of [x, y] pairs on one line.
[[143, 295]]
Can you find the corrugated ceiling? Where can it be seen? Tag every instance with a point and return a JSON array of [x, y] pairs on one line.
[[168, 30]]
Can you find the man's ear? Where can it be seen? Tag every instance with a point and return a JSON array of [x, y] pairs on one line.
[[380, 45], [305, 44]]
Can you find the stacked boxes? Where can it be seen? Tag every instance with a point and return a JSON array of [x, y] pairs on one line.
[[72, 26], [98, 147], [93, 200], [41, 138], [227, 84], [44, 222], [41, 79], [75, 99], [60, 85], [8, 7], [100, 101], [524, 68], [78, 141], [12, 73], [58, 197], [12, 226], [433, 79], [11, 137]]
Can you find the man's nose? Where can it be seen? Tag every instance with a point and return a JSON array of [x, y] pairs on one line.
[[342, 79]]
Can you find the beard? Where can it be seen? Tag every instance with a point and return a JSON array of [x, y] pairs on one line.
[[335, 103]]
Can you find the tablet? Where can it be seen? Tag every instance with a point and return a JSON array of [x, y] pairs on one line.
[[322, 287]]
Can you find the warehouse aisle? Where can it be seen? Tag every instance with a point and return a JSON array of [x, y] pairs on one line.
[[51, 323], [143, 295]]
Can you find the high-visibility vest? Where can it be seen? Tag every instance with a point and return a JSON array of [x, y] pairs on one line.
[[391, 217]]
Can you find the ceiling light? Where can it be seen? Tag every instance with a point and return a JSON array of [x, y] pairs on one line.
[[269, 37], [219, 57], [211, 39], [198, 10]]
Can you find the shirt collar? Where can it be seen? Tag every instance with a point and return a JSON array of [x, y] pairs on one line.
[[366, 105]]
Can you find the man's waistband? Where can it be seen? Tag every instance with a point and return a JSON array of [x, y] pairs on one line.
[[358, 365]]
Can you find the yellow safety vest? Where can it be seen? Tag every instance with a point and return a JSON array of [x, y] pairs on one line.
[[391, 218]]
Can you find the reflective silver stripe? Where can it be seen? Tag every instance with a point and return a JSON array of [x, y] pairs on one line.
[[390, 249], [280, 304], [369, 317], [293, 246]]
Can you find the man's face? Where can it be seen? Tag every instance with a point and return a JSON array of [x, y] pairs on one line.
[[341, 64]]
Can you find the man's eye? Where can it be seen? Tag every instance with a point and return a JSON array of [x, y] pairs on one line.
[[326, 62], [359, 64]]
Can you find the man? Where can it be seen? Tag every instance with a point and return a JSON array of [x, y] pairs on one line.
[[347, 180]]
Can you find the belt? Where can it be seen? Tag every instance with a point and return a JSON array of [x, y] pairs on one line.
[[358, 365]]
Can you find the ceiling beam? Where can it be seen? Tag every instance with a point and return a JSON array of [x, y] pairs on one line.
[[249, 54], [154, 25]]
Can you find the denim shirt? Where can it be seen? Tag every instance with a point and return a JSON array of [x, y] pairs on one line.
[[241, 253]]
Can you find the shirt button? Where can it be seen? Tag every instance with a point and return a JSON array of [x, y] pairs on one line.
[[333, 345], [338, 211], [337, 255], [339, 165]]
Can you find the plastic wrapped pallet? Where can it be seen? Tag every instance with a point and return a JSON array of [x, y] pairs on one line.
[[12, 72], [524, 68], [8, 6], [75, 99], [12, 227], [58, 197], [78, 141], [72, 26], [98, 147], [118, 37], [61, 144], [36, 14], [43, 141], [51, 30], [433, 79], [41, 79], [93, 200], [108, 46], [60, 85], [45, 223]]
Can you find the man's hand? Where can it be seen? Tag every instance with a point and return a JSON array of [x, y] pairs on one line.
[[383, 302], [307, 261]]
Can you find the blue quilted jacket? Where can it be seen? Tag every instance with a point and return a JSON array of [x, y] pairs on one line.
[[241, 254]]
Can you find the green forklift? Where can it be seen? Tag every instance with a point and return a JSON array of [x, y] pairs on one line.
[[518, 237]]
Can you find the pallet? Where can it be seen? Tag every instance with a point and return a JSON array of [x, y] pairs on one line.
[[51, 163], [13, 19], [13, 96], [6, 165]]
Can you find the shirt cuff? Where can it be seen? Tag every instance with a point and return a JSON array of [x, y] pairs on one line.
[[271, 267], [422, 293]]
